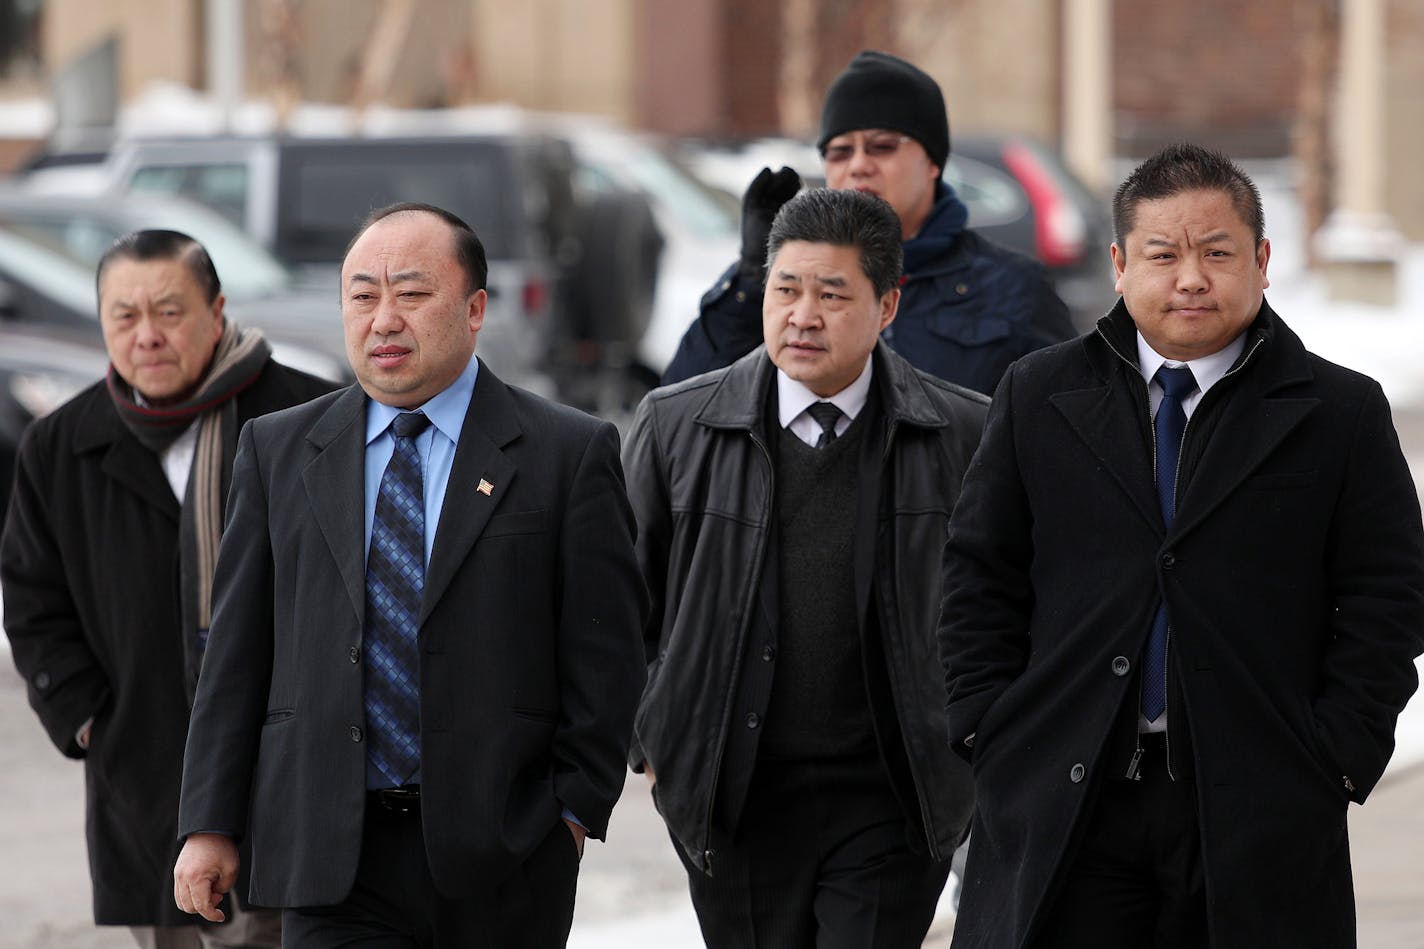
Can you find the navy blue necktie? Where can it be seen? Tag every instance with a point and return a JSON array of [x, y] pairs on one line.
[[1168, 428], [826, 414], [395, 578]]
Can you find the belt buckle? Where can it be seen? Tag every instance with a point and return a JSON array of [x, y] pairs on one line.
[[401, 800]]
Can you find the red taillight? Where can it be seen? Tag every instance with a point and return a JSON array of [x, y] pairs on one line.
[[1059, 231], [536, 294]]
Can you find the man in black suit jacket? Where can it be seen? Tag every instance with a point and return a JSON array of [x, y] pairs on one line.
[[525, 653]]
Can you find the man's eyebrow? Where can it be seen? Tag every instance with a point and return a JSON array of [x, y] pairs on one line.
[[403, 276], [1215, 237], [827, 281]]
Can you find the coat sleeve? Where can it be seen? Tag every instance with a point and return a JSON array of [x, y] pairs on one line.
[[1376, 572], [647, 490], [727, 327], [231, 701], [65, 680], [984, 621], [601, 612]]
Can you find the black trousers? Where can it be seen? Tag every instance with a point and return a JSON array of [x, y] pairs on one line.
[[394, 904], [1134, 880], [820, 859]]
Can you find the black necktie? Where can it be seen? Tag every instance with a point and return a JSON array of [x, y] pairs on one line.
[[1168, 428], [826, 415], [395, 578]]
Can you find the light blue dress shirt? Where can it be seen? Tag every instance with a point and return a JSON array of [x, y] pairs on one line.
[[436, 446]]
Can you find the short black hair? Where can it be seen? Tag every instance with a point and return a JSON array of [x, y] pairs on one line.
[[468, 250], [163, 245], [1184, 167], [845, 219]]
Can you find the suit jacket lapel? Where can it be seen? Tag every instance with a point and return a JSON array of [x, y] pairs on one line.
[[490, 425], [335, 485]]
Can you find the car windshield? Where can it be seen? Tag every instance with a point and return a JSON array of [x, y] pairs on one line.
[[83, 235], [700, 208]]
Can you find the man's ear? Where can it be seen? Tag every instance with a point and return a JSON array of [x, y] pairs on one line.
[[889, 306]]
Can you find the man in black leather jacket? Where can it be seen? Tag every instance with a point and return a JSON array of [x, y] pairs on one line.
[[790, 513], [968, 307]]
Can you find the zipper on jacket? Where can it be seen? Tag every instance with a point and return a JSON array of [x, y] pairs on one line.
[[931, 837], [1134, 767], [707, 852]]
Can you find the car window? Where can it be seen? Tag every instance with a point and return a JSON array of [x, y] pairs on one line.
[[50, 273], [221, 187], [991, 196], [326, 192]]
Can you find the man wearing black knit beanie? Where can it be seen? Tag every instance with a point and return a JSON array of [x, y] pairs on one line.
[[969, 307]]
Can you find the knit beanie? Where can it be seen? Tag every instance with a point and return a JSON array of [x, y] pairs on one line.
[[880, 91]]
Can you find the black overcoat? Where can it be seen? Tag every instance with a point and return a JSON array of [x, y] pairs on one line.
[[89, 561], [1294, 576]]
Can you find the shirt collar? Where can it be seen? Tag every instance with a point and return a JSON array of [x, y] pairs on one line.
[[1207, 370], [446, 410], [793, 398]]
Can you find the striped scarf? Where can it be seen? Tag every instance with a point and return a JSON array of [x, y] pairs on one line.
[[238, 360]]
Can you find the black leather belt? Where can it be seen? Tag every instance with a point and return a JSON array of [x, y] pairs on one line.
[[402, 800]]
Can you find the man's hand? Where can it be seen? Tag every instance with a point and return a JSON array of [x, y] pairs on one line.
[[766, 194], [648, 773], [580, 833], [205, 871]]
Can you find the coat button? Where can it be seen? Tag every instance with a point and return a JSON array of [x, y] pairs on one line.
[[962, 289], [41, 681], [1076, 773], [753, 720], [355, 653], [768, 653], [355, 733], [1120, 666], [1169, 560]]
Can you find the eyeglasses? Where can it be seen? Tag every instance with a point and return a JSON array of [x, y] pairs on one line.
[[879, 146]]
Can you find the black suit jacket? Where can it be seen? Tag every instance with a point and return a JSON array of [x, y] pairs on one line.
[[531, 663]]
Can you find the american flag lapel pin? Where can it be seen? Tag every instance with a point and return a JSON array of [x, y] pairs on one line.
[[485, 488]]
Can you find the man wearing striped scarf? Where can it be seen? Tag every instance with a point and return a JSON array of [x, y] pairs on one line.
[[107, 559]]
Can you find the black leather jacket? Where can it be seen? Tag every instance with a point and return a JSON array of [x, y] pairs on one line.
[[700, 477]]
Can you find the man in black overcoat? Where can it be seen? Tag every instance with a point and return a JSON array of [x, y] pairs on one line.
[[107, 562], [1184, 591]]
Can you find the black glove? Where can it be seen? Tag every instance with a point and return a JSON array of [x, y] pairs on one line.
[[766, 194]]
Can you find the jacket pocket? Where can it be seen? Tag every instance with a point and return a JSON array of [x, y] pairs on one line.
[[516, 522], [276, 715]]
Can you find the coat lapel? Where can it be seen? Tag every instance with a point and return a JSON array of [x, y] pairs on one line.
[[1244, 439], [479, 478], [1102, 416], [335, 486], [126, 460]]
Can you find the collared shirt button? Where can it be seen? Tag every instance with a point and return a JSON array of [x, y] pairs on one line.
[[355, 653], [753, 720], [1077, 773], [768, 653], [355, 733], [1121, 666]]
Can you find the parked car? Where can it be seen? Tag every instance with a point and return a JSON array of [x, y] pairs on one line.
[[1018, 192], [303, 326], [572, 270]]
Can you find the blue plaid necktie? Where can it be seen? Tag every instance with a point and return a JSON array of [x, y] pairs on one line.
[[395, 577], [1168, 428]]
